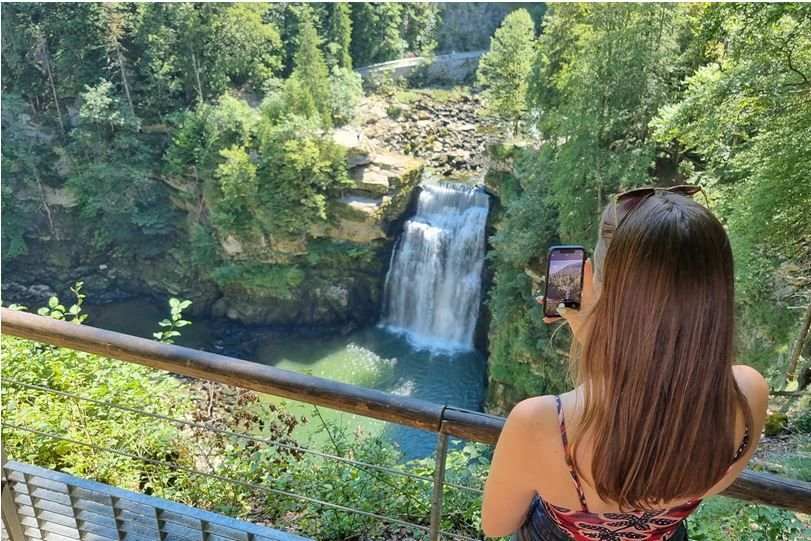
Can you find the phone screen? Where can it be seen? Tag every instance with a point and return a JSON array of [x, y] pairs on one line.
[[564, 278]]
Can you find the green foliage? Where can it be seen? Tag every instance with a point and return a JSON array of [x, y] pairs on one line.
[[394, 111], [376, 32], [96, 378], [724, 518], [176, 321], [311, 74], [775, 424], [379, 492], [743, 127], [420, 22], [802, 422], [600, 75], [525, 359], [103, 110], [248, 48], [504, 70], [203, 133], [26, 159], [300, 167], [72, 314], [345, 90], [339, 35], [279, 281], [120, 201]]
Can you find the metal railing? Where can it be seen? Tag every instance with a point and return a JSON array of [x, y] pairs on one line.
[[444, 420]]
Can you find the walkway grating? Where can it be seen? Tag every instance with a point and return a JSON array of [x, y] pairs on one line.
[[54, 506]]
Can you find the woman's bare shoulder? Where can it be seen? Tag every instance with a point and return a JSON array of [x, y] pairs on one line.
[[535, 413], [745, 373], [753, 385]]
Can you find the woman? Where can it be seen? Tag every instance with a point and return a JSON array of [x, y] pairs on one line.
[[660, 417]]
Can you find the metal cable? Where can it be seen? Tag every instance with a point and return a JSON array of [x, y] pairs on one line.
[[240, 435], [235, 481]]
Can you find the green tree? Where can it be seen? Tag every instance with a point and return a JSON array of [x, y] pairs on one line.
[[248, 48], [376, 32], [311, 74], [602, 73], [743, 129], [27, 160], [524, 359], [339, 35], [345, 89], [120, 201], [504, 70], [301, 167], [420, 22]]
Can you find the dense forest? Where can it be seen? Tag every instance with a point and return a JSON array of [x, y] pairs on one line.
[[172, 132], [629, 95]]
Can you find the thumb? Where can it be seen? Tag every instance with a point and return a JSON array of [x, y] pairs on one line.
[[566, 313]]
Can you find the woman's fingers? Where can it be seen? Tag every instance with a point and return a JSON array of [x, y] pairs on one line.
[[588, 285]]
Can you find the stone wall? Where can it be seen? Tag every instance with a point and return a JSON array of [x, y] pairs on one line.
[[449, 68]]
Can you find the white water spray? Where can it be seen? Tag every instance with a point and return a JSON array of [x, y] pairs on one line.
[[433, 287]]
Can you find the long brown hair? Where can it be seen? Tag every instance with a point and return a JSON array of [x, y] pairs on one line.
[[660, 399]]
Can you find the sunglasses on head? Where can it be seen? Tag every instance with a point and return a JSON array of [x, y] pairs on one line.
[[688, 190]]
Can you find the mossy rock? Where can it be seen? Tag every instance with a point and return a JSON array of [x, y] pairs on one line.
[[775, 424]]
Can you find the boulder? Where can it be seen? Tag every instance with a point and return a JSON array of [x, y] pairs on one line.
[[357, 220], [360, 149], [289, 245], [231, 246], [61, 197], [370, 179]]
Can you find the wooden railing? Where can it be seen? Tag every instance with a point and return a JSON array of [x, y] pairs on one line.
[[445, 420]]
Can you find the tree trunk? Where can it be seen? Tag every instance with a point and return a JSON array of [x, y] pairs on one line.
[[798, 345], [45, 59], [197, 76], [45, 203], [124, 79]]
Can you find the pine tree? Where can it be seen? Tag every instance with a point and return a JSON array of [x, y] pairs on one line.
[[505, 69], [310, 71], [340, 35]]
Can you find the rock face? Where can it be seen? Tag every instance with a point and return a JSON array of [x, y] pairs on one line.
[[382, 189]]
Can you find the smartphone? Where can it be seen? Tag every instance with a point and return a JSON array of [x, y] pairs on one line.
[[564, 278]]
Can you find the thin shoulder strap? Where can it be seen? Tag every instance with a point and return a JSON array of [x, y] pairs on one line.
[[743, 446], [568, 456]]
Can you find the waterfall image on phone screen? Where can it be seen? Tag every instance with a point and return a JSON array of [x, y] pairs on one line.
[[433, 287]]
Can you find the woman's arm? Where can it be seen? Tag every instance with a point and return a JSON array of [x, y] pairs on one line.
[[756, 390], [512, 482]]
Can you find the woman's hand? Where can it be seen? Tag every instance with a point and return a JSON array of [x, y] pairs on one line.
[[576, 318]]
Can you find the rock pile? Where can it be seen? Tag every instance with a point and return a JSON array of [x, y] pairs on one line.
[[447, 135]]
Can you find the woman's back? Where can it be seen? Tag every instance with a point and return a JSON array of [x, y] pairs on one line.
[[660, 414], [559, 481], [542, 462]]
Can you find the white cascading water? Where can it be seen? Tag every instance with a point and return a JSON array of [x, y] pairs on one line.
[[433, 287]]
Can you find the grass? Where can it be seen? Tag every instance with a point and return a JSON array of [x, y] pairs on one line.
[[439, 94]]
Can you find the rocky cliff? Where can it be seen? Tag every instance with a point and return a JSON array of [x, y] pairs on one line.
[[330, 277]]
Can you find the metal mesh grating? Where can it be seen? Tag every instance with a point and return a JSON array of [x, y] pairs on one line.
[[55, 506]]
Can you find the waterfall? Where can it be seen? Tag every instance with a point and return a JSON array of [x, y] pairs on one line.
[[433, 287]]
